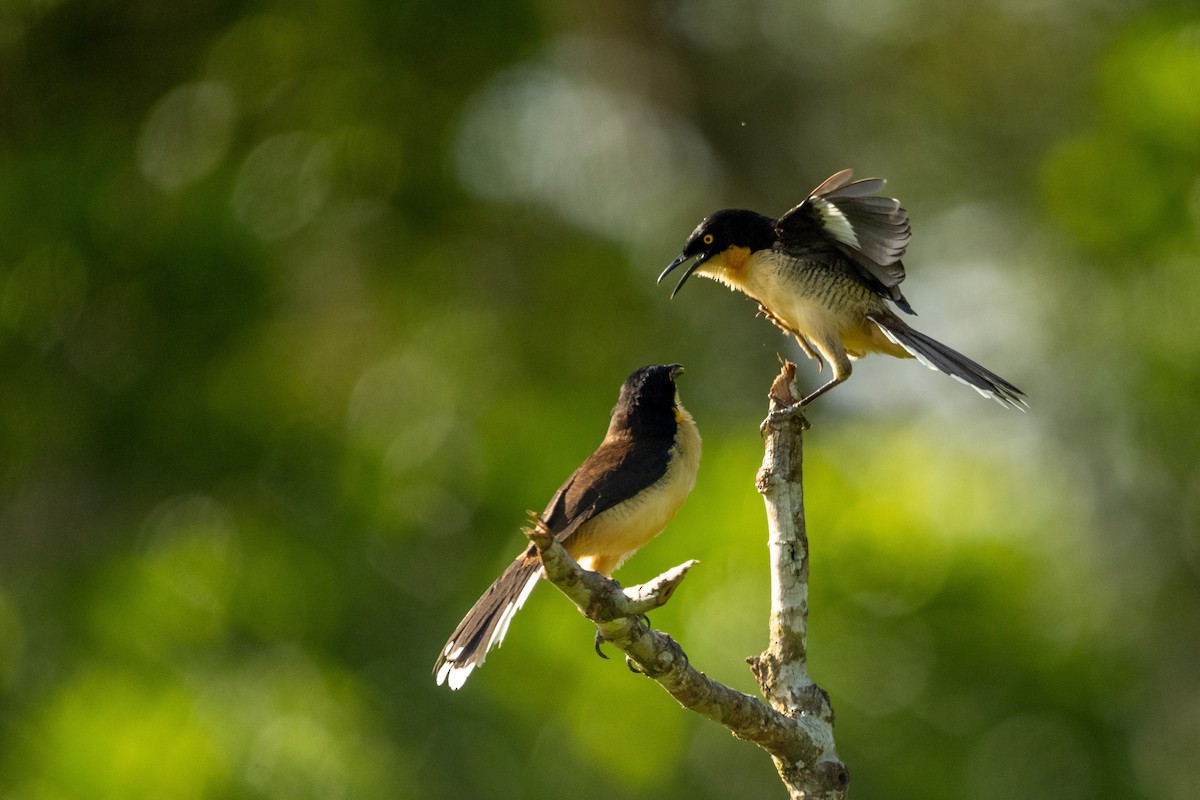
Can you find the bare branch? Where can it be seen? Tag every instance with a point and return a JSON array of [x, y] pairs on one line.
[[656, 654], [782, 671]]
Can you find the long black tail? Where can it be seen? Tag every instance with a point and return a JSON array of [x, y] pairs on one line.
[[486, 623], [936, 355]]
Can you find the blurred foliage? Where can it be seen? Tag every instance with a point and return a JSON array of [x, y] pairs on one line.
[[302, 305]]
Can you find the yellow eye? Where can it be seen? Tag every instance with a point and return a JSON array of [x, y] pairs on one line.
[[708, 238]]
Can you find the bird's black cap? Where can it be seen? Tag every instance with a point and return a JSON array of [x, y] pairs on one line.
[[731, 227], [647, 399]]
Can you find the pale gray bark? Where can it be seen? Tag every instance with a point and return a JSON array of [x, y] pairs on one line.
[[795, 724]]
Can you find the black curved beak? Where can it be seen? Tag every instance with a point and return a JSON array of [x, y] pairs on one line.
[[682, 257]]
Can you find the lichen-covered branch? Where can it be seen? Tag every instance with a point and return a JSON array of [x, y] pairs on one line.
[[618, 616], [782, 671], [795, 725]]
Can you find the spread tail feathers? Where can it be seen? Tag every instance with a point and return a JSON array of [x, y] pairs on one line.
[[936, 355], [486, 623]]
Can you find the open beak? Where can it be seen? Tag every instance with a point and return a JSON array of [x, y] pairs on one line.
[[676, 370], [686, 274]]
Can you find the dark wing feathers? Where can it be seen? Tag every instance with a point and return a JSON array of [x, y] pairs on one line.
[[863, 188], [618, 470], [834, 182], [872, 232], [880, 240]]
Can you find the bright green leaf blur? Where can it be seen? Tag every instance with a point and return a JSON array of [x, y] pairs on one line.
[[302, 306]]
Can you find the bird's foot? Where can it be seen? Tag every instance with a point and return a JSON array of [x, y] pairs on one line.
[[679, 648], [780, 415], [774, 320], [634, 668], [600, 641], [811, 352]]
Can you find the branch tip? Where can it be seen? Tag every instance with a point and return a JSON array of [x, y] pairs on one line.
[[784, 391]]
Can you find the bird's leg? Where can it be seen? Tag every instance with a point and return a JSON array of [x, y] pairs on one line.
[[805, 345], [841, 366], [820, 391], [774, 320], [811, 352]]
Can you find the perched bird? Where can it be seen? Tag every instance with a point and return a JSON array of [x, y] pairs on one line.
[[824, 272], [619, 499]]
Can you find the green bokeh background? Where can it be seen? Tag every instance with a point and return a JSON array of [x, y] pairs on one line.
[[302, 305]]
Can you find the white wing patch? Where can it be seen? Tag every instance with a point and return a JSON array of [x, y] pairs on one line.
[[836, 223]]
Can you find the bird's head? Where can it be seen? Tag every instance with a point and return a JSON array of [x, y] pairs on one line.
[[648, 399], [721, 243]]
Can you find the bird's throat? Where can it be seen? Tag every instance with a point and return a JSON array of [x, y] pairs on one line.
[[729, 267]]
